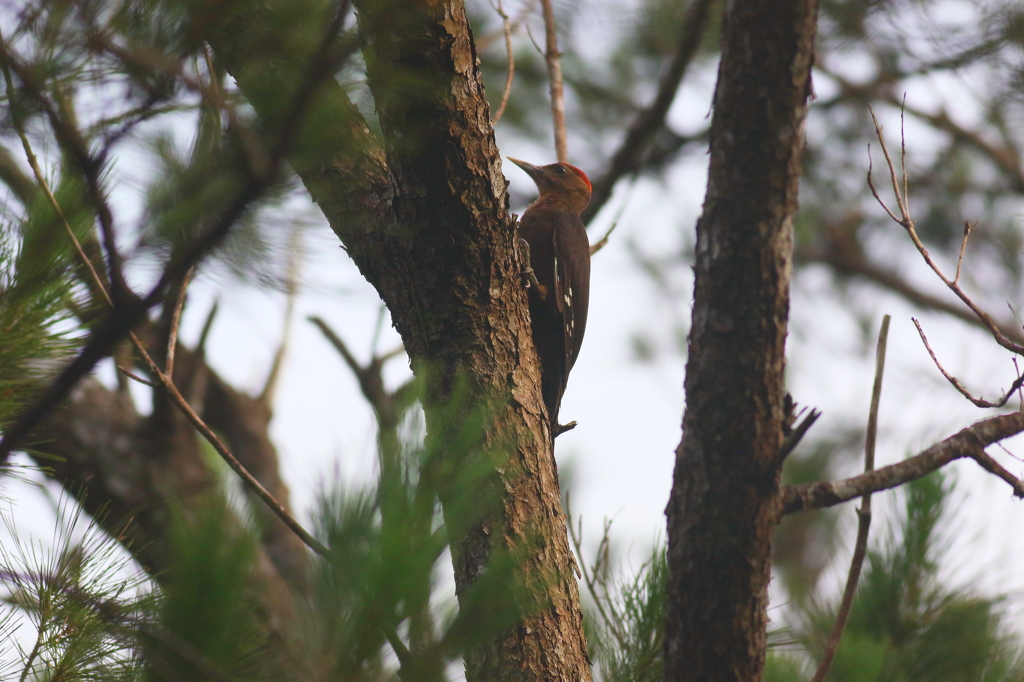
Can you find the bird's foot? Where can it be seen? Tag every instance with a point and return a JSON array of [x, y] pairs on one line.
[[562, 428], [528, 275]]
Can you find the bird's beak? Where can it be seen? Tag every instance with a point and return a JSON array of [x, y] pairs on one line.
[[531, 170]]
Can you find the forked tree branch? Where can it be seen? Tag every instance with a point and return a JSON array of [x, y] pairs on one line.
[[968, 442], [907, 222], [847, 258], [978, 402]]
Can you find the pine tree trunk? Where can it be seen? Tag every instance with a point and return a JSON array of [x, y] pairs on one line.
[[425, 218], [724, 502]]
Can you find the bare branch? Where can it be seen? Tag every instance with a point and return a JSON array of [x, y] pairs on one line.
[[486, 40], [554, 60], [511, 64], [796, 435], [603, 241], [963, 248], [131, 375], [172, 335], [845, 256], [1001, 155], [993, 467], [254, 485], [863, 514], [965, 443], [627, 159], [907, 222], [979, 402]]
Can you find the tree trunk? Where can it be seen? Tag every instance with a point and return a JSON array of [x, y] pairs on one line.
[[724, 502], [425, 218]]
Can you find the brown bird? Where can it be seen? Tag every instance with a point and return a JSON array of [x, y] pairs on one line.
[[557, 251]]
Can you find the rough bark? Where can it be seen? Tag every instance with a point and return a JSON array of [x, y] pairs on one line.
[[725, 496], [426, 221]]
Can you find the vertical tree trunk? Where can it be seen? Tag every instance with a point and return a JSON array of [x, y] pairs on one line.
[[425, 218], [724, 502]]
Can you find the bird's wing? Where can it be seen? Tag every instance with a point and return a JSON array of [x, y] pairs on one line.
[[572, 284]]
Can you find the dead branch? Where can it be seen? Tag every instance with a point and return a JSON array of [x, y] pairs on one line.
[[979, 402], [507, 25], [603, 241], [908, 224], [554, 61], [863, 514], [488, 39], [846, 258], [967, 442], [1001, 155], [796, 435], [172, 335]]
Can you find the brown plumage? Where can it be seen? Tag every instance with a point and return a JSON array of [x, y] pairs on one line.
[[559, 255]]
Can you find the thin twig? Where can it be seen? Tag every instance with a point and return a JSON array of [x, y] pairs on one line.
[[172, 334], [486, 40], [554, 61], [511, 64], [963, 247], [603, 241], [128, 373], [980, 402], [907, 222], [179, 400], [796, 435], [863, 514]]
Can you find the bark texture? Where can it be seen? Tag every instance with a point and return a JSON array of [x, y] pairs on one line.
[[425, 219], [725, 495]]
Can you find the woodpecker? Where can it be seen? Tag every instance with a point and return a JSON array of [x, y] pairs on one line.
[[556, 248]]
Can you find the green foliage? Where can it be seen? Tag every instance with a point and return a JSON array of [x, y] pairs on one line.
[[205, 600], [906, 624], [79, 596], [34, 309], [626, 628]]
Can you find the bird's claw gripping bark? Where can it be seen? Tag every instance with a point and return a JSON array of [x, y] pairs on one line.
[[528, 275]]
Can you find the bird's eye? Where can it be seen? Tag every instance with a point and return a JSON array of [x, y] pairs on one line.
[[560, 169]]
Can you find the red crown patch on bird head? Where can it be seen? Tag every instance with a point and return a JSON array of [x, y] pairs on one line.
[[581, 174], [559, 180]]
